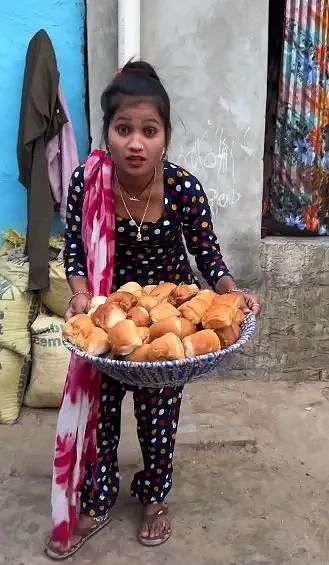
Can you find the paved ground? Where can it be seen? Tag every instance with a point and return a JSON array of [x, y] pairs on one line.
[[251, 482]]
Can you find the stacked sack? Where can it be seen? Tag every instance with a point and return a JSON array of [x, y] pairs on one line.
[[30, 336], [50, 359], [18, 309]]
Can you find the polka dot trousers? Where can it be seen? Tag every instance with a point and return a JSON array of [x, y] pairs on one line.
[[157, 414]]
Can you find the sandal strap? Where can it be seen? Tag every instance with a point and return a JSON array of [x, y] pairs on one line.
[[151, 518]]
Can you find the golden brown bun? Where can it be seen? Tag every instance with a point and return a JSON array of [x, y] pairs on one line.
[[140, 354], [207, 296], [162, 311], [239, 317], [124, 299], [95, 302], [194, 310], [107, 315], [200, 343], [172, 324], [140, 316], [182, 293], [233, 299], [131, 287], [124, 338], [95, 343], [218, 317], [166, 348], [148, 288], [229, 335], [144, 334], [162, 291], [79, 324], [187, 328], [147, 302], [81, 331]]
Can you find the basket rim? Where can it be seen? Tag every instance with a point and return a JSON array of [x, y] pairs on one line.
[[246, 334]]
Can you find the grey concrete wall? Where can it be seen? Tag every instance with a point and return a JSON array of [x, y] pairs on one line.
[[293, 331], [212, 57]]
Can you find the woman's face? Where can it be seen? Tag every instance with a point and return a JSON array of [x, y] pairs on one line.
[[136, 138]]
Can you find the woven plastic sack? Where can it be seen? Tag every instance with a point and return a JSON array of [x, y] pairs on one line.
[[14, 371], [56, 297], [50, 360], [18, 308]]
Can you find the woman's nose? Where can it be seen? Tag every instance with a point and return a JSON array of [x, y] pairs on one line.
[[135, 143]]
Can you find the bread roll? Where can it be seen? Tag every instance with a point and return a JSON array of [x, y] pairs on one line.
[[140, 354], [124, 337], [187, 328], [162, 311], [194, 310], [95, 343], [148, 288], [125, 300], [162, 291], [140, 316], [107, 315], [147, 302], [207, 296], [182, 293], [131, 287], [229, 335], [172, 324], [81, 323], [200, 343], [218, 317], [95, 302], [144, 334], [239, 317], [166, 348]]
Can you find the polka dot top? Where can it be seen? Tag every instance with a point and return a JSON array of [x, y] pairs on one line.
[[161, 255]]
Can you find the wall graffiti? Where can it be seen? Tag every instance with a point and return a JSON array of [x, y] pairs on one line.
[[212, 156]]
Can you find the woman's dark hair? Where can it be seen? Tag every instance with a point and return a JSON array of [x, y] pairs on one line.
[[137, 79]]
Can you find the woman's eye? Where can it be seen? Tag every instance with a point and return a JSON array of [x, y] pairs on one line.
[[149, 132], [122, 130]]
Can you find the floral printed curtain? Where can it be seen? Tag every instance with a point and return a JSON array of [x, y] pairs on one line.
[[297, 196]]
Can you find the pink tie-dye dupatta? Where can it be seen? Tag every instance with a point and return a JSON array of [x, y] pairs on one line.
[[75, 446]]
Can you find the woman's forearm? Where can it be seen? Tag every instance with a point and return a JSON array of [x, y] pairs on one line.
[[78, 284]]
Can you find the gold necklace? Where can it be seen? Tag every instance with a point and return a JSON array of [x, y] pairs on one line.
[[132, 196], [139, 227]]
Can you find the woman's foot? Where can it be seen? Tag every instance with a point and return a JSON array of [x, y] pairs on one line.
[[86, 528], [156, 528]]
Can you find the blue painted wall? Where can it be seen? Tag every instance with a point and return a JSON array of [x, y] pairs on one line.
[[20, 20]]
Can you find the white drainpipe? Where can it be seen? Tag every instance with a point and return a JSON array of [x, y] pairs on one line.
[[128, 31]]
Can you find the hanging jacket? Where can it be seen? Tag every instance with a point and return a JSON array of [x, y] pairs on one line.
[[41, 118]]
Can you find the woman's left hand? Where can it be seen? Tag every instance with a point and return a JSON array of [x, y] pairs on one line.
[[252, 303]]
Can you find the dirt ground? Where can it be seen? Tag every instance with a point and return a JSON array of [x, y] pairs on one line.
[[251, 482]]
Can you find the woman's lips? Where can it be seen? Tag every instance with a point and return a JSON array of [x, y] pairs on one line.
[[136, 161]]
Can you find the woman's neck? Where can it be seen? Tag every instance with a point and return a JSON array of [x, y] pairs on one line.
[[136, 184]]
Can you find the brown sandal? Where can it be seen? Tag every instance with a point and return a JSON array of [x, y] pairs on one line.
[[56, 554], [151, 542]]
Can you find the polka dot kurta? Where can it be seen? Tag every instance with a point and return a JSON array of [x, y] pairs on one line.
[[160, 256]]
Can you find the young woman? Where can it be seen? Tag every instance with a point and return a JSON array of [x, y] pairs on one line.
[[158, 207]]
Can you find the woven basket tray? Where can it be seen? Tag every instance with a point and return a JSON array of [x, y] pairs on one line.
[[166, 373]]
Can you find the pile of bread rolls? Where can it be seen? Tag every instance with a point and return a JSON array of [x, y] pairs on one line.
[[162, 322]]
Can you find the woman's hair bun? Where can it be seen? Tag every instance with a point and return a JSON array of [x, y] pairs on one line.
[[140, 67]]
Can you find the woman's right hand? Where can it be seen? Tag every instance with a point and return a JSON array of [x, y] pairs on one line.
[[78, 305]]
